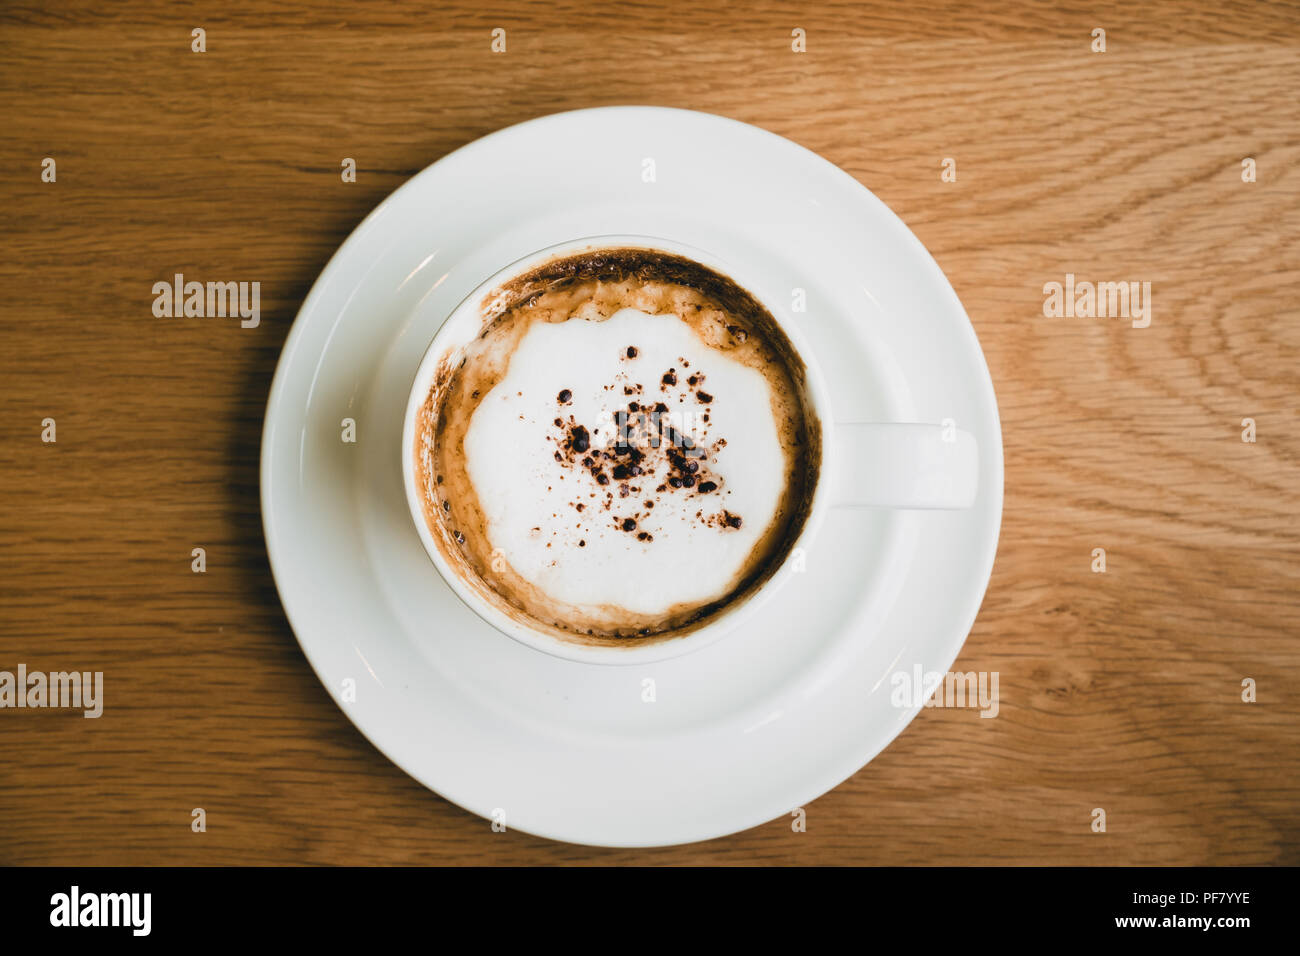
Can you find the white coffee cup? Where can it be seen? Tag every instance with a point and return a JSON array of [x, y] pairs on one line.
[[863, 464]]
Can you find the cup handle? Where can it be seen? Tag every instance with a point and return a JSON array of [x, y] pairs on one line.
[[903, 466]]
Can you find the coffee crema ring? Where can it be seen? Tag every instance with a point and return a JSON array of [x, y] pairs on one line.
[[626, 449]]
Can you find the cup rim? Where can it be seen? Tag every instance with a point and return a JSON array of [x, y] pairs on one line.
[[731, 618]]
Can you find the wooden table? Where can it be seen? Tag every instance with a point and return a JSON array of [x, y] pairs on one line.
[[1119, 690]]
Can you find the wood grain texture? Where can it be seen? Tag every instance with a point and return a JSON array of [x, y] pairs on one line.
[[1119, 690]]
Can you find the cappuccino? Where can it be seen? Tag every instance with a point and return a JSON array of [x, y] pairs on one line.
[[626, 450]]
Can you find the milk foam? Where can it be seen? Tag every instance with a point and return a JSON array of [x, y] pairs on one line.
[[682, 549]]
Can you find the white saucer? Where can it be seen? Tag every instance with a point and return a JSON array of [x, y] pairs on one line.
[[744, 730]]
